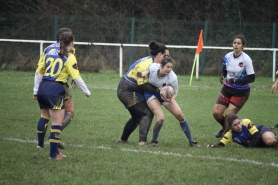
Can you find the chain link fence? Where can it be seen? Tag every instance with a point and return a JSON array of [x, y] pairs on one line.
[[24, 56]]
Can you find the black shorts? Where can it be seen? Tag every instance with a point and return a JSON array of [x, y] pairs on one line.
[[51, 95], [262, 129], [236, 97]]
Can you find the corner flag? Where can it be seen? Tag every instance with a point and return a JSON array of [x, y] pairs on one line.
[[198, 51], [200, 43]]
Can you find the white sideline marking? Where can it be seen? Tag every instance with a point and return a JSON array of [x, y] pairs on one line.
[[273, 164]]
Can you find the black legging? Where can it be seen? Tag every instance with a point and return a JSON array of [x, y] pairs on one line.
[[140, 115]]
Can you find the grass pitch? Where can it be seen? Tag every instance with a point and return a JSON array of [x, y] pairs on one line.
[[94, 156]]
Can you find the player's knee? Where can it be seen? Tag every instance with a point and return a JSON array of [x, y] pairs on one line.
[[42, 124], [215, 114], [42, 128], [180, 117], [72, 113], [160, 121], [218, 115], [271, 142]]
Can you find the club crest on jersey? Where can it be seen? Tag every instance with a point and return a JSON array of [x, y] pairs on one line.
[[240, 64], [75, 66]]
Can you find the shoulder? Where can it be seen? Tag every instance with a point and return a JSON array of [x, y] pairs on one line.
[[71, 57], [71, 60], [173, 75], [246, 56], [228, 57], [51, 47], [248, 123], [154, 66], [229, 54], [245, 121], [53, 52], [145, 59]]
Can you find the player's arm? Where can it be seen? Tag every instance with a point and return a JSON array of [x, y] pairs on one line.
[[143, 74], [220, 144], [226, 139], [37, 81], [146, 86], [81, 84], [223, 75], [149, 88], [38, 75], [274, 87], [253, 130], [255, 138], [72, 69], [246, 80]]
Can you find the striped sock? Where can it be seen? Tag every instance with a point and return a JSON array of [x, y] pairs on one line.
[[54, 139], [42, 128]]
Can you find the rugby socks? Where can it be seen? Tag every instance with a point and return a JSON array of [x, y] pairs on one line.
[[67, 119], [221, 121], [41, 130], [54, 139], [156, 129], [185, 128]]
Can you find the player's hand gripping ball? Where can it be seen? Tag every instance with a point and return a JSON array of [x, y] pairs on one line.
[[167, 92]]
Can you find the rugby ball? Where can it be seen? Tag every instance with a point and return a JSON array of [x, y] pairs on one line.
[[167, 92]]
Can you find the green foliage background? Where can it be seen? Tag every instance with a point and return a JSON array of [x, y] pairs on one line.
[[174, 22]]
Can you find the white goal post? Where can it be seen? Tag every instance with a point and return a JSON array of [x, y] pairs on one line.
[[120, 45]]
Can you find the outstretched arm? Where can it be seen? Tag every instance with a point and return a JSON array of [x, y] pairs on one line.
[[216, 146]]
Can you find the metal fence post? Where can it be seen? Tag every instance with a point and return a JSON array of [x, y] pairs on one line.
[[55, 26], [204, 50], [131, 41], [273, 46]]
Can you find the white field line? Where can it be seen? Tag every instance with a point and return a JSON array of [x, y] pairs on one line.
[[273, 164]]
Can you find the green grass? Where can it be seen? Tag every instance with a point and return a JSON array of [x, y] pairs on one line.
[[94, 156]]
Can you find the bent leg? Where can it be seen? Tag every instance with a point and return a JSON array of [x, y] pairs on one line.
[[130, 126], [270, 139], [175, 109], [69, 112], [42, 127], [156, 108], [218, 114]]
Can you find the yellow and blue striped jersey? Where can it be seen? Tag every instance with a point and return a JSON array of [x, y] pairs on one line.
[[55, 46], [139, 66], [59, 68], [243, 137]]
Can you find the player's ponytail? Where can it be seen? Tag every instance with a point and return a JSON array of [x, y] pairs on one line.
[[65, 39], [157, 47], [60, 31]]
